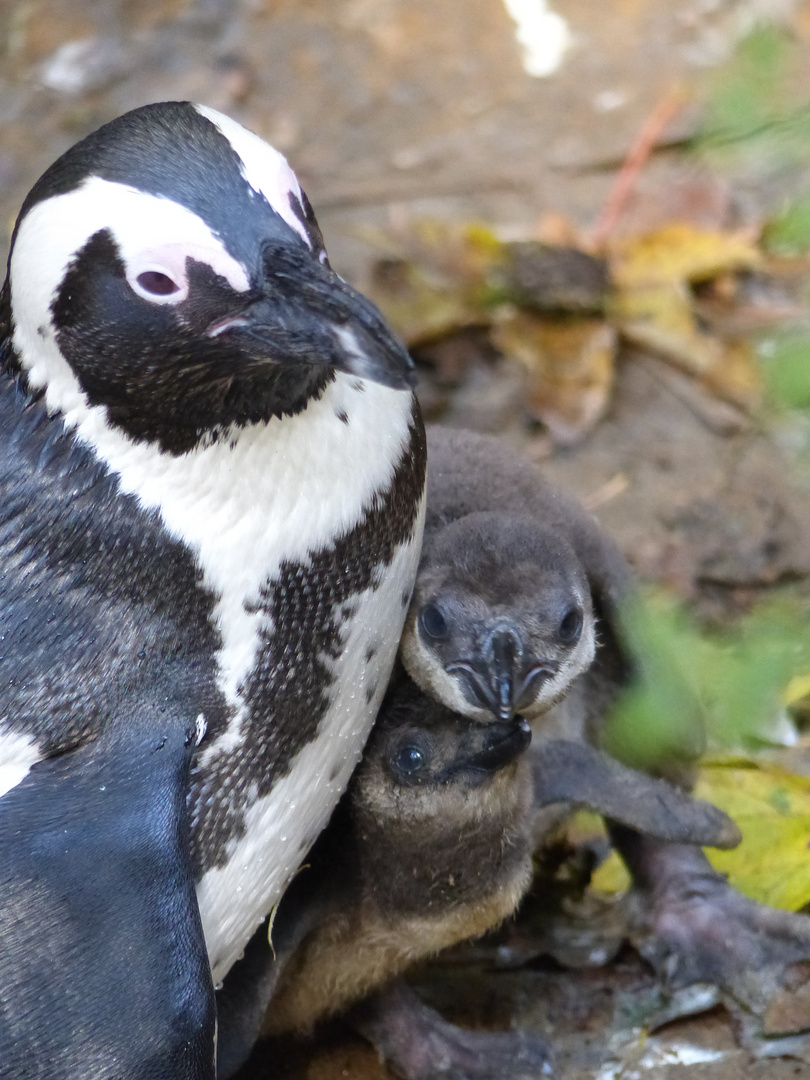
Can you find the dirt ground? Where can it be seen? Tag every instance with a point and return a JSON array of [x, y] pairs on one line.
[[395, 110]]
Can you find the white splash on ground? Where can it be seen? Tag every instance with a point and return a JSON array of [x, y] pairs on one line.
[[543, 36], [657, 1055]]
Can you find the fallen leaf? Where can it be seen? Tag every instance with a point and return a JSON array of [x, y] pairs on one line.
[[772, 808], [653, 304], [571, 368], [436, 281], [797, 690], [680, 252], [419, 305], [734, 375]]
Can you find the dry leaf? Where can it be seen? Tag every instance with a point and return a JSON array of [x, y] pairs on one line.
[[681, 252], [735, 375], [798, 690], [420, 306], [771, 807], [571, 368], [436, 283], [654, 307]]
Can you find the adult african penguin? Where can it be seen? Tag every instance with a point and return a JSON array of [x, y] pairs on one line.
[[212, 473]]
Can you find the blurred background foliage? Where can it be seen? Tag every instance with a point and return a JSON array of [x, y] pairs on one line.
[[744, 684]]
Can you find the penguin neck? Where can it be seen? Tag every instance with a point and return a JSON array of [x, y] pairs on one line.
[[250, 477], [434, 860]]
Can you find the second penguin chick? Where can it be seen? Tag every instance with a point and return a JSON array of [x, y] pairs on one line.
[[685, 918], [430, 848], [427, 848]]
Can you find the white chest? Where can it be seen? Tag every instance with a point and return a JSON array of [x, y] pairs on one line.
[[281, 826], [273, 494]]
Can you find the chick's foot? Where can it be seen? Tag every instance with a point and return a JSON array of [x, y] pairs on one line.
[[693, 927], [418, 1044]]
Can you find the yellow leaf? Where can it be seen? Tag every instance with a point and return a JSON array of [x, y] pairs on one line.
[[680, 252], [435, 283], [611, 876], [653, 304], [419, 305], [797, 690], [735, 375], [772, 808]]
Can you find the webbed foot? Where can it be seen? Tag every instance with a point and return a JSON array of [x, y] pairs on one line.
[[693, 927], [418, 1044]]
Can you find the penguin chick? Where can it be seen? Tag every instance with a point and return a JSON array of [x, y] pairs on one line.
[[503, 549], [685, 917], [212, 467], [485, 633], [430, 846]]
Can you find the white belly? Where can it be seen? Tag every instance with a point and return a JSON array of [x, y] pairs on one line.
[[281, 826]]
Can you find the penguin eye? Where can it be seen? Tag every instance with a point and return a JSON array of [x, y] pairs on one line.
[[571, 626], [155, 283], [433, 622], [409, 760]]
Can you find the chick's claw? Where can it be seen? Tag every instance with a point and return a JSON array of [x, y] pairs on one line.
[[693, 927]]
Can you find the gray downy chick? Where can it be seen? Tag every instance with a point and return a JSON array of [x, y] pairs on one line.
[[685, 918]]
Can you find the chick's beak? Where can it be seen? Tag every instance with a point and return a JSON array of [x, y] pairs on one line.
[[307, 315], [502, 675], [504, 742]]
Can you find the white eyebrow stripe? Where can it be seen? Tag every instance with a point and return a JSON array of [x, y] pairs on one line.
[[56, 229], [265, 169]]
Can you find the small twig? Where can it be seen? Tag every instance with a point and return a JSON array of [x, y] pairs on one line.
[[608, 491], [638, 156]]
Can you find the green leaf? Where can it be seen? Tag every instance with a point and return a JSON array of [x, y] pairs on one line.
[[789, 232], [730, 684], [786, 369]]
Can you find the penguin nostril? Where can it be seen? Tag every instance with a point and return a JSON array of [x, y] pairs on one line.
[[156, 283]]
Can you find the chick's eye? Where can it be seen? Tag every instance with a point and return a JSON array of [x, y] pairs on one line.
[[571, 626], [409, 760], [433, 622], [156, 283]]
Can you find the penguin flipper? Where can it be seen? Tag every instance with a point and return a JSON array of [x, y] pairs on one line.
[[575, 772], [103, 968]]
